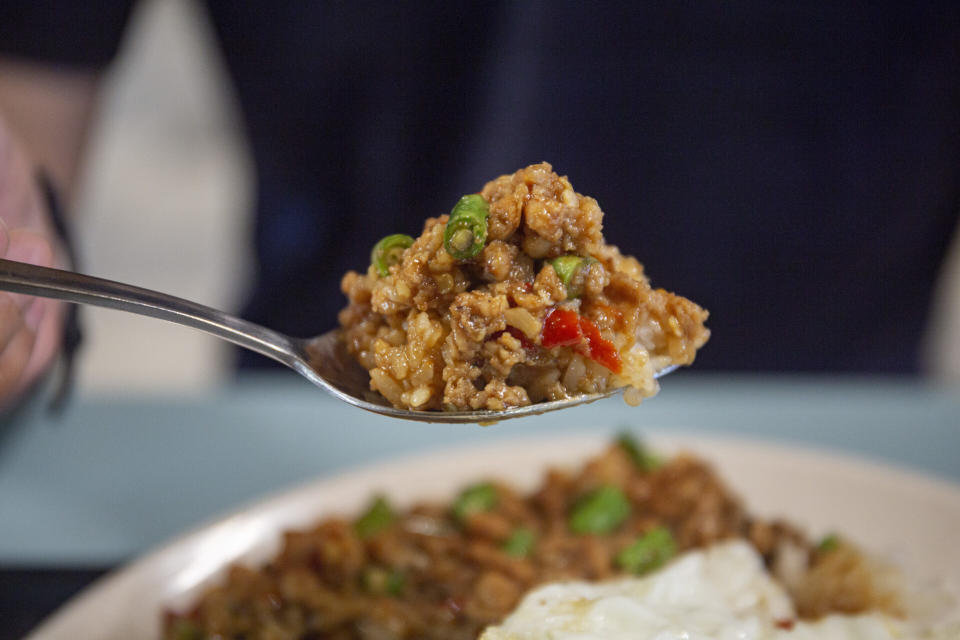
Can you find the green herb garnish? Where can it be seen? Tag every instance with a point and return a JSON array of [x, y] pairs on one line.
[[479, 497], [388, 252], [650, 551], [520, 543], [600, 511], [642, 457], [466, 230], [378, 517]]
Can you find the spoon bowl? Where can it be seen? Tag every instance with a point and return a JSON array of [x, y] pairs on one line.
[[323, 359]]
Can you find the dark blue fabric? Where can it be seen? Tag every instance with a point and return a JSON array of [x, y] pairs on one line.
[[794, 167], [791, 166], [83, 34]]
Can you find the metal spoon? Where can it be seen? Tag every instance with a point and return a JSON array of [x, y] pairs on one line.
[[323, 360]]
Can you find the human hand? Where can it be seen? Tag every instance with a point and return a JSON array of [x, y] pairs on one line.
[[30, 328]]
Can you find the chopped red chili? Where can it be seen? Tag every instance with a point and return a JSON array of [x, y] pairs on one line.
[[599, 349], [565, 328], [561, 328]]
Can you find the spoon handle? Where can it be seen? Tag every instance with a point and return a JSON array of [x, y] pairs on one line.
[[19, 277]]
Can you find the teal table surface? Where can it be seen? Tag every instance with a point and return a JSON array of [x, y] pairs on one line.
[[114, 477]]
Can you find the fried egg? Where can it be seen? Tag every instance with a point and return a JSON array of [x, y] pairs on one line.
[[721, 593]]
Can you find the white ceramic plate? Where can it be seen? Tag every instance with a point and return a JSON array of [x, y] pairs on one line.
[[909, 518]]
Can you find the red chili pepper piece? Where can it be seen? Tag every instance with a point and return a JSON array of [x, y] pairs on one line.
[[565, 328], [561, 328], [599, 348]]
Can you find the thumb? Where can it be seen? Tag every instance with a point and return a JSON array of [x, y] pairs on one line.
[[29, 247]]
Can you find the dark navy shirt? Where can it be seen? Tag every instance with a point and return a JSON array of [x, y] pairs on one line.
[[793, 167]]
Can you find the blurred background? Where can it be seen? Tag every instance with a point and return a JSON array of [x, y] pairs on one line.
[[183, 210], [162, 433]]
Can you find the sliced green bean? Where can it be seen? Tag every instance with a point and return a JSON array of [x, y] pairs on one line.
[[650, 551], [829, 543], [378, 580], [388, 252], [466, 230], [378, 517], [396, 581], [187, 630], [600, 511], [479, 497], [639, 454], [572, 271], [520, 543]]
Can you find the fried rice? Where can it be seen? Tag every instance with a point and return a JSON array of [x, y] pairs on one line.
[[447, 571], [507, 327]]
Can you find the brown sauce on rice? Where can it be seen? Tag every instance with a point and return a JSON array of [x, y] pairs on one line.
[[438, 333], [429, 574]]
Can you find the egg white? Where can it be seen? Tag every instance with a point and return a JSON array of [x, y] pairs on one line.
[[721, 593]]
